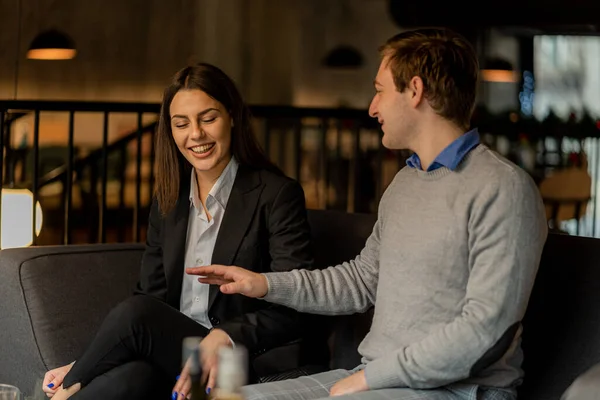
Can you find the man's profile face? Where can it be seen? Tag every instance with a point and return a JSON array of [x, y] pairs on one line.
[[391, 108]]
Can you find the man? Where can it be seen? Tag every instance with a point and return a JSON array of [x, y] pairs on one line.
[[452, 258]]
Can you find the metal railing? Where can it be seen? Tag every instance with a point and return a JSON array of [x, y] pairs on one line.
[[328, 143], [101, 192]]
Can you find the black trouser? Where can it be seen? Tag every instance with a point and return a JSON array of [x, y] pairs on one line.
[[136, 352]]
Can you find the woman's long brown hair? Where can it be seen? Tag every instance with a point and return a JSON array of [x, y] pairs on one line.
[[171, 165]]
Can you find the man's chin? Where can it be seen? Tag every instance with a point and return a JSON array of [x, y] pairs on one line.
[[389, 143]]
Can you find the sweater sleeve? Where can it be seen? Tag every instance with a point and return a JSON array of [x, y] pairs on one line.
[[507, 231], [347, 288]]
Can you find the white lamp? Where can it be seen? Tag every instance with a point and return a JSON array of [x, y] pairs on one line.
[[17, 215]]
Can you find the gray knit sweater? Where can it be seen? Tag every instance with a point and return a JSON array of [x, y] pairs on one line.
[[449, 268]]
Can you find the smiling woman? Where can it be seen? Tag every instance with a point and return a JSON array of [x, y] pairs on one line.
[[219, 200]]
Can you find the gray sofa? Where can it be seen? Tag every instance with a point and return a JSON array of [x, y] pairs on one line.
[[54, 298]]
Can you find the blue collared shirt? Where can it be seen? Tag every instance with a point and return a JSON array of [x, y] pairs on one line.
[[452, 155]]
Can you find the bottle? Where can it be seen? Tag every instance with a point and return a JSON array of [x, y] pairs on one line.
[[191, 356], [232, 373]]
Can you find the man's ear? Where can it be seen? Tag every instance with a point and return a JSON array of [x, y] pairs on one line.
[[417, 90]]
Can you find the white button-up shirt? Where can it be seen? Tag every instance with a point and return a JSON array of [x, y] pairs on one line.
[[200, 241]]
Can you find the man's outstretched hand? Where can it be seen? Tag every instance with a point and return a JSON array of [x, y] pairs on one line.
[[232, 280]]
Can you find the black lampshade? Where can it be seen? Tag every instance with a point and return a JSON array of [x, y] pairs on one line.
[[498, 70], [52, 45], [343, 57]]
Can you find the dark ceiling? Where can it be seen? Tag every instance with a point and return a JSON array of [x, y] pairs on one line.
[[525, 17]]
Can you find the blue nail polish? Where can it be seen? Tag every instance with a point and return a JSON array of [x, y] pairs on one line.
[[51, 385], [207, 390], [177, 377], [174, 396]]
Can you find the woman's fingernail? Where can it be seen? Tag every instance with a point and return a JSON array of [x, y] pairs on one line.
[[207, 390], [177, 377], [51, 385], [174, 396]]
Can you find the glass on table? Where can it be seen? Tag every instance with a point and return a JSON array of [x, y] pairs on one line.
[[9, 392]]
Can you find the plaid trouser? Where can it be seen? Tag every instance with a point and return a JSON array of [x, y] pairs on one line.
[[317, 386]]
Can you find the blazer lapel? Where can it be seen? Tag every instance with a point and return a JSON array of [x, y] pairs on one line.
[[174, 245], [238, 215]]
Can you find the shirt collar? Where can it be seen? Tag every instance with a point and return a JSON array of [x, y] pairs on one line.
[[452, 155], [221, 189]]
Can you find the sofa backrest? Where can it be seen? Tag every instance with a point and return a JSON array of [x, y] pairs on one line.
[[339, 237], [53, 301], [561, 329]]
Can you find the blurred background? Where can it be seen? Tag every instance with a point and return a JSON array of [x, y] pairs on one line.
[[81, 82]]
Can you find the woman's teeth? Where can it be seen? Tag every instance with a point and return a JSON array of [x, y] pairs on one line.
[[202, 148]]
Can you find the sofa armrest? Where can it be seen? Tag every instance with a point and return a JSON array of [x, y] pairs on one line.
[[53, 300]]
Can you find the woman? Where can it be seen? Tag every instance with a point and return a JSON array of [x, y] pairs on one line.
[[218, 200]]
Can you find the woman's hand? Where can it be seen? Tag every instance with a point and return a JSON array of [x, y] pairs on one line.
[[53, 379], [209, 351], [209, 355]]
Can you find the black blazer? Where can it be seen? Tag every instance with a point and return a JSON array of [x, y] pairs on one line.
[[264, 229]]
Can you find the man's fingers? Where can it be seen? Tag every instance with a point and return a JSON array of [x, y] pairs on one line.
[[214, 280], [207, 270], [235, 288]]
